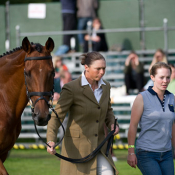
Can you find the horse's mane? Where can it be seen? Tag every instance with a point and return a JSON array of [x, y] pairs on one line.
[[38, 47]]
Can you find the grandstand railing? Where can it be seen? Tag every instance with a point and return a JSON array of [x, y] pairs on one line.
[[164, 28]]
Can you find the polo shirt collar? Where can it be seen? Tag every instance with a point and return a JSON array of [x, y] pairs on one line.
[[154, 93], [85, 82]]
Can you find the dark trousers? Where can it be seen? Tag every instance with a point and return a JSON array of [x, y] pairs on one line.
[[69, 23], [96, 46], [132, 84]]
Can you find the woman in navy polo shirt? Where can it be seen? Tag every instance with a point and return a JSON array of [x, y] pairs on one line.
[[153, 110]]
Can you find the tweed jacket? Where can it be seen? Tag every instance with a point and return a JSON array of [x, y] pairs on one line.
[[85, 129]]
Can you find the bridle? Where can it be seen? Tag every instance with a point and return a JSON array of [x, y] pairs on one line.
[[41, 95]]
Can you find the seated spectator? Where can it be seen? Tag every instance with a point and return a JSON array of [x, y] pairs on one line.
[[65, 77], [98, 39], [171, 86], [134, 78], [159, 56], [58, 65]]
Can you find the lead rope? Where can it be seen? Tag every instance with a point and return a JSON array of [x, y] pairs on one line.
[[109, 137]]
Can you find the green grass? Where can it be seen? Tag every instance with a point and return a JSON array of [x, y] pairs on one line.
[[39, 162]]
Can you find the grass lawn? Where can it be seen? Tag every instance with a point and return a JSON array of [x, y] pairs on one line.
[[39, 162]]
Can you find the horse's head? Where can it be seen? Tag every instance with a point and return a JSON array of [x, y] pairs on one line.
[[39, 77]]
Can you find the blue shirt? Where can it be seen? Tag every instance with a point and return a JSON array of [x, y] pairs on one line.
[[68, 6], [97, 92], [156, 122]]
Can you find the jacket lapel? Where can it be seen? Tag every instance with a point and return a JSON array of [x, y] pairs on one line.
[[89, 94], [103, 97]]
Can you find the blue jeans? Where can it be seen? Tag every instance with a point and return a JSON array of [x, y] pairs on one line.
[[155, 163], [82, 25]]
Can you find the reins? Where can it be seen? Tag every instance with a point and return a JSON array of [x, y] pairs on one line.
[[41, 95]]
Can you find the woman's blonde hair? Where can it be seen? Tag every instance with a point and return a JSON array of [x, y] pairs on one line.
[[155, 59]]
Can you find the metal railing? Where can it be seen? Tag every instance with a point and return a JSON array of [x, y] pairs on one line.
[[164, 28]]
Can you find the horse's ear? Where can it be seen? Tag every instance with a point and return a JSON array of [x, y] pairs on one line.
[[27, 47], [50, 44]]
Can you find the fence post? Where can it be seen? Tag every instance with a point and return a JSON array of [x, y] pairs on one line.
[[17, 35], [165, 21], [142, 25], [7, 42], [89, 24]]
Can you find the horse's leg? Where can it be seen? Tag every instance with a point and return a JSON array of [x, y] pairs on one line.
[[2, 169]]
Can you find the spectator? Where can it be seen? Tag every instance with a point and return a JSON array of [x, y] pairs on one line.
[[65, 77], [86, 12], [58, 65], [69, 23], [171, 86], [133, 70], [98, 39], [159, 56], [153, 110]]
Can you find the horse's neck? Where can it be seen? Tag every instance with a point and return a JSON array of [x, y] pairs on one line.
[[12, 92]]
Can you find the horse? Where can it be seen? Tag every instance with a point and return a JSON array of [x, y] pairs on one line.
[[26, 74]]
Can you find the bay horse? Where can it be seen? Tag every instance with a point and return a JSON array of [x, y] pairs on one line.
[[28, 68]]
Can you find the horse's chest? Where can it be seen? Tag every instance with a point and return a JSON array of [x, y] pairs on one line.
[[8, 135]]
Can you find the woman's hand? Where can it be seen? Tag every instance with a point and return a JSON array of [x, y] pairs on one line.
[[136, 60], [51, 149], [116, 129], [132, 160], [128, 59], [96, 39]]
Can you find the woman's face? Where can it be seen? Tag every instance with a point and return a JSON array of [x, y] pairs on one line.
[[161, 79], [96, 70], [159, 56], [96, 24]]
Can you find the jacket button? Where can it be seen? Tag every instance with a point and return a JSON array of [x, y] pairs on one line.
[[95, 135], [99, 107], [97, 121]]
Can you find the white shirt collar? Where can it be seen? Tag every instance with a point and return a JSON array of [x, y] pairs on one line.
[[85, 82]]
